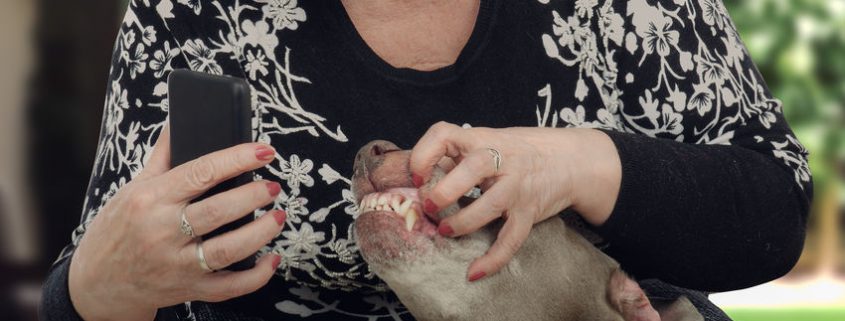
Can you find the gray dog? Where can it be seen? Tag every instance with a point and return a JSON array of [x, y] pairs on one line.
[[556, 275]]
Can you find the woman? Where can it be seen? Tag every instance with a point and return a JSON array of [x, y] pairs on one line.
[[682, 162]]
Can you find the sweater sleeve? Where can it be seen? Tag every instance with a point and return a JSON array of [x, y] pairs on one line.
[[135, 110], [55, 300], [715, 187]]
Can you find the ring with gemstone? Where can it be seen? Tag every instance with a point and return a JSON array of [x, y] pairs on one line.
[[185, 226]]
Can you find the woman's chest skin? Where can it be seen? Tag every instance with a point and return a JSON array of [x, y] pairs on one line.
[[420, 35]]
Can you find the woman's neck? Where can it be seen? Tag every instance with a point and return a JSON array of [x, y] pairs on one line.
[[421, 35]]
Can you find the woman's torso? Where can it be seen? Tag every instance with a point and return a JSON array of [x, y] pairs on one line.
[[320, 93], [326, 93], [352, 96]]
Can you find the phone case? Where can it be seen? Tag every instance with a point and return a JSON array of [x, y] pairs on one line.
[[209, 113]]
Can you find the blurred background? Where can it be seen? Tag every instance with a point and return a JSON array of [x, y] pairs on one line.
[[54, 59]]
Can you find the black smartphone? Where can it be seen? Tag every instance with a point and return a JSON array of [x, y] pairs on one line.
[[209, 113]]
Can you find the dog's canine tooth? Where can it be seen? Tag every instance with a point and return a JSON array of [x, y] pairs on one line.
[[410, 219]]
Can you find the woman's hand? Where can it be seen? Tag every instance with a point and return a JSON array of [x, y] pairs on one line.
[[135, 259], [543, 172]]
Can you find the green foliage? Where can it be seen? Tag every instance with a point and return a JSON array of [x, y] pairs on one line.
[[787, 314], [799, 46]]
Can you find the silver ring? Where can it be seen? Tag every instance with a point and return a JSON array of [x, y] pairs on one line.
[[497, 159], [201, 258], [186, 227]]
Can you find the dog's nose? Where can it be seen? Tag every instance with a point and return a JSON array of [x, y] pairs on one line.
[[376, 150], [380, 148], [372, 155]]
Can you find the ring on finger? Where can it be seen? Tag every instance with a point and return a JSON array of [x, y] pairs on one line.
[[185, 226], [497, 159], [201, 258]]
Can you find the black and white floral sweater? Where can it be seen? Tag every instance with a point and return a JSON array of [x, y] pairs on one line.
[[715, 186]]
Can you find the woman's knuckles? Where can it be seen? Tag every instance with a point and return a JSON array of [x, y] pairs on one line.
[[138, 199], [498, 205], [236, 161], [442, 129], [201, 173], [221, 256], [208, 216], [479, 162]]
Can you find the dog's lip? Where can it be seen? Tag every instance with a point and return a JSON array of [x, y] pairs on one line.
[[372, 184]]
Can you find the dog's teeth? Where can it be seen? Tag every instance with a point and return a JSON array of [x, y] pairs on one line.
[[362, 207], [403, 208], [382, 200], [410, 219], [394, 204]]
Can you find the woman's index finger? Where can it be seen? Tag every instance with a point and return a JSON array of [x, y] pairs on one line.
[[193, 178], [441, 139]]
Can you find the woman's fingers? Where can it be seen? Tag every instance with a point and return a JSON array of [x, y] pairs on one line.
[[448, 163], [441, 139], [479, 213], [511, 236], [472, 170], [233, 246], [224, 285], [191, 179], [215, 211], [159, 161], [477, 165]]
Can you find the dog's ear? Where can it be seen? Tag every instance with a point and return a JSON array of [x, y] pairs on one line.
[[629, 299], [680, 310]]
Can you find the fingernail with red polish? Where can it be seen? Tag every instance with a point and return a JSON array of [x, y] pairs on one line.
[[429, 207], [265, 153], [445, 230], [477, 276], [277, 259], [418, 180], [274, 188], [279, 216]]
